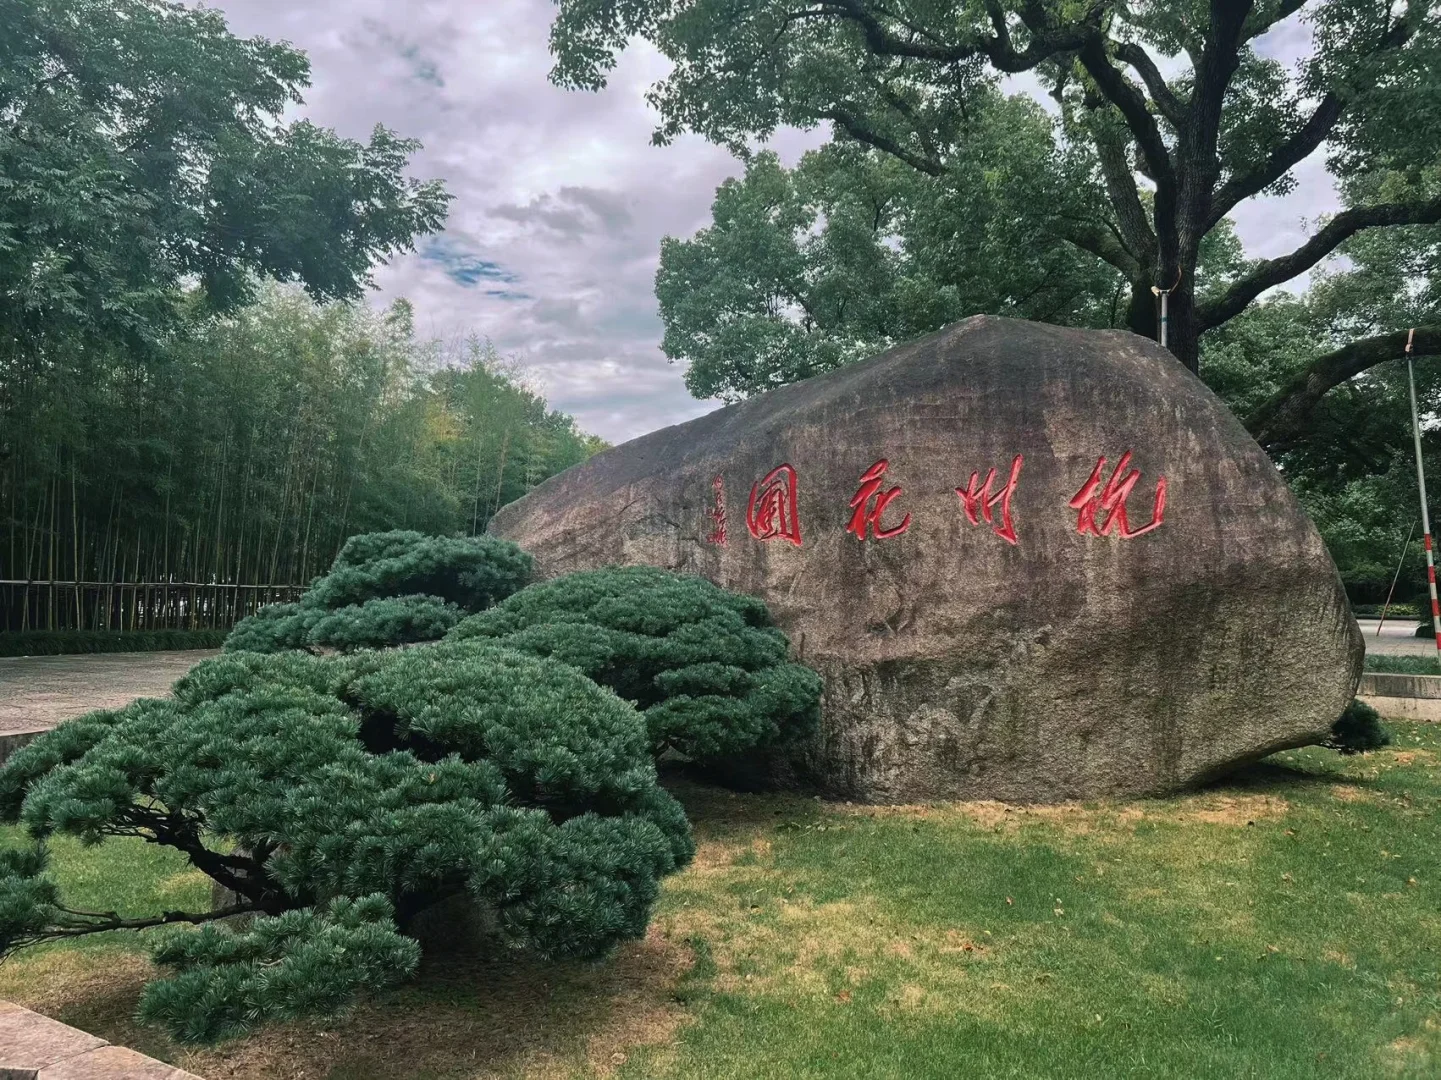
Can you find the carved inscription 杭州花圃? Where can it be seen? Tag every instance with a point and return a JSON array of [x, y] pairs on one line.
[[772, 511]]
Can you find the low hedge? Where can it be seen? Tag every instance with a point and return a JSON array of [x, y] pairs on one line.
[[66, 642], [1395, 611]]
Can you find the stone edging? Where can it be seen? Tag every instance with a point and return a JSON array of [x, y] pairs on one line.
[[1402, 697], [34, 1047], [10, 741]]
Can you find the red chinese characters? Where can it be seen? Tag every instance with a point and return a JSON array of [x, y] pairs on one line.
[[717, 512], [771, 511], [1110, 499], [979, 502], [869, 503]]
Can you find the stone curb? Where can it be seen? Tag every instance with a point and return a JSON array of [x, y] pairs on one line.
[[1402, 697], [10, 741], [35, 1047]]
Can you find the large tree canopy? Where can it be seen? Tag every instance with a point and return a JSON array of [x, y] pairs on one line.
[[1169, 117], [142, 148]]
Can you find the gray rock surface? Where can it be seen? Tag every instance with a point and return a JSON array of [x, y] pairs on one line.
[[1096, 655]]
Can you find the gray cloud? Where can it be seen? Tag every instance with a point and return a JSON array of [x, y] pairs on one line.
[[561, 200]]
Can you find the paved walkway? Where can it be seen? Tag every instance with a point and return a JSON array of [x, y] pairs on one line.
[[1398, 638], [40, 691]]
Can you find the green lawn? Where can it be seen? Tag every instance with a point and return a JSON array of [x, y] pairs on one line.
[[1285, 924], [1405, 665]]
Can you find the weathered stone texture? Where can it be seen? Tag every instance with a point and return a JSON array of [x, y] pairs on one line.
[[959, 665]]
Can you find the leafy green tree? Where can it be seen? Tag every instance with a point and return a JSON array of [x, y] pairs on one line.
[[142, 146], [1143, 167], [337, 799], [1348, 454], [706, 667]]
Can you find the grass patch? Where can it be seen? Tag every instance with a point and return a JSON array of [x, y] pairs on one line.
[[1284, 924], [1404, 665]]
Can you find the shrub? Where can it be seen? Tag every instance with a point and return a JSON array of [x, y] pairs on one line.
[[705, 666], [271, 629], [1393, 611], [392, 620], [1357, 730], [339, 797], [68, 642], [389, 588], [471, 572]]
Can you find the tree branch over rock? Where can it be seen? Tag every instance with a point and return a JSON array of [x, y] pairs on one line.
[[1344, 225], [1281, 419]]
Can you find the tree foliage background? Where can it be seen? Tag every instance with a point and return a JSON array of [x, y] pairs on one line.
[[940, 195], [250, 448], [190, 387]]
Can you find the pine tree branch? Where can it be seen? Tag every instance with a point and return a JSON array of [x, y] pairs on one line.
[[1278, 421], [83, 923], [1344, 225]]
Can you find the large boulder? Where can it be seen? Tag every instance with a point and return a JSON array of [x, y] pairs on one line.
[[1133, 603]]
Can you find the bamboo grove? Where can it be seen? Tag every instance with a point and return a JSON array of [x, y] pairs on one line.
[[226, 468]]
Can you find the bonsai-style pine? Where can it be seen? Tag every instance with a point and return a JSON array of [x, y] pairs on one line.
[[389, 588], [335, 799], [706, 667]]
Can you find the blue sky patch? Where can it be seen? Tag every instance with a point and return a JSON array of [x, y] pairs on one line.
[[464, 267]]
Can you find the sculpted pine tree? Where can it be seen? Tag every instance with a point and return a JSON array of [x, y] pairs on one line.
[[336, 799], [707, 668], [1170, 118], [389, 588], [341, 801]]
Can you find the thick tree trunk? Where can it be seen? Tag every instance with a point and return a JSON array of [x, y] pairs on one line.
[[1183, 330], [1183, 334]]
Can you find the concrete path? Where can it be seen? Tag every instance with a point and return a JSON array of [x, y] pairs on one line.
[[1398, 638], [40, 691]]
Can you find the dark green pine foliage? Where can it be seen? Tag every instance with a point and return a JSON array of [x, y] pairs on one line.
[[1358, 730], [705, 666], [389, 588], [337, 798]]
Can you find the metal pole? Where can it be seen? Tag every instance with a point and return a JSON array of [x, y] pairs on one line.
[[1421, 486], [1396, 577]]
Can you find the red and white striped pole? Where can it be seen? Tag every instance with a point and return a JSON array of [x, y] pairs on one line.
[[1421, 485]]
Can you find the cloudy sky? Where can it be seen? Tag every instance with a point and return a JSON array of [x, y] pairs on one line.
[[561, 201]]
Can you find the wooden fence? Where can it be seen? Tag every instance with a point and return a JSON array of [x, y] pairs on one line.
[[133, 605]]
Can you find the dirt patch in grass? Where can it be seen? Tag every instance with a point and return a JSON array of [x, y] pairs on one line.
[[1209, 808], [793, 948], [92, 989], [475, 1018], [469, 1018], [1350, 793]]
